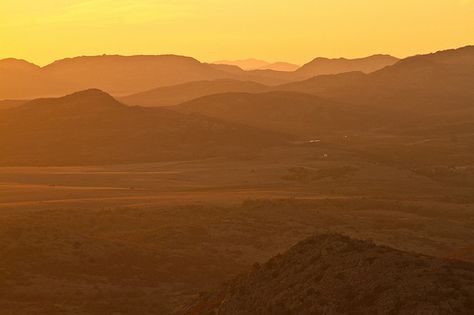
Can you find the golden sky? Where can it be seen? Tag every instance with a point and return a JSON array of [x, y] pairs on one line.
[[294, 31]]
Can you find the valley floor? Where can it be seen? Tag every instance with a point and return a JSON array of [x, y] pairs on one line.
[[148, 238]]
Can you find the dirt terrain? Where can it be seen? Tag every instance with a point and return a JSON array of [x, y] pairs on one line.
[[333, 274], [147, 238]]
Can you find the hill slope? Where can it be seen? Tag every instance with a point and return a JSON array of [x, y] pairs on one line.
[[423, 92], [333, 274], [244, 64], [114, 74], [91, 127], [280, 66], [442, 77], [255, 64], [288, 112], [176, 94], [320, 66]]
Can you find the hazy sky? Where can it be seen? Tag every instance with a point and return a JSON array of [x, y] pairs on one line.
[[295, 31]]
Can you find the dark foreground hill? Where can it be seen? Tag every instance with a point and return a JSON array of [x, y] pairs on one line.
[[91, 127], [333, 274]]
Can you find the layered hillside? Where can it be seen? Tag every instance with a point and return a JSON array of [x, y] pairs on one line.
[[255, 64], [333, 274], [124, 75], [279, 111], [176, 94], [321, 66], [440, 79], [429, 94], [91, 127], [118, 75]]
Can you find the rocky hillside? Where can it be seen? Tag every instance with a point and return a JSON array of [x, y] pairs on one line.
[[334, 274]]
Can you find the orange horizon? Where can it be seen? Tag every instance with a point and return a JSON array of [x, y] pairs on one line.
[[41, 32], [237, 59]]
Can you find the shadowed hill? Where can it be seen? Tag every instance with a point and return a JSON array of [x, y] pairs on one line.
[[173, 95], [442, 77], [91, 127], [419, 90], [289, 112], [324, 84], [333, 274], [426, 80], [259, 71]]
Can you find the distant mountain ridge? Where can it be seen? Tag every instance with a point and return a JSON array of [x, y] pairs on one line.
[[418, 88], [17, 64], [244, 64], [427, 94], [256, 64], [322, 66], [112, 73], [125, 75]]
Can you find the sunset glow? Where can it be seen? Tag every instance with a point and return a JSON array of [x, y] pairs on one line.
[[296, 31]]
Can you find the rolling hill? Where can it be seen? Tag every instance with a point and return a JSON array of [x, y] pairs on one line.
[[280, 66], [333, 274], [91, 127], [125, 75], [289, 112], [255, 64], [434, 91], [118, 75], [244, 64], [442, 77], [344, 70], [173, 95], [321, 66]]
